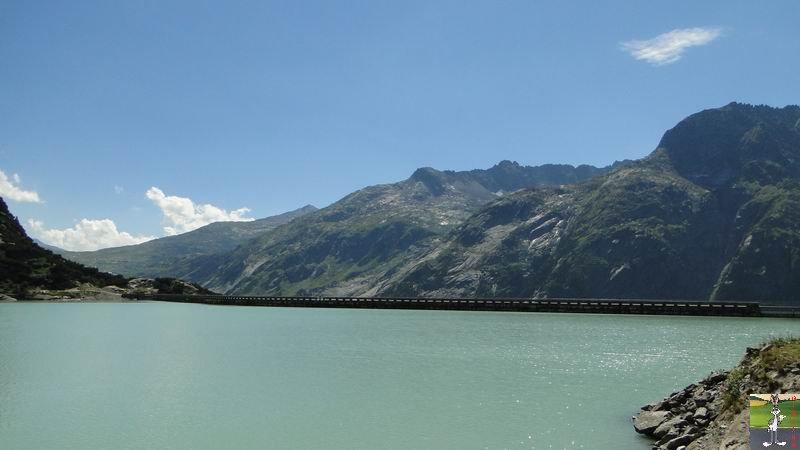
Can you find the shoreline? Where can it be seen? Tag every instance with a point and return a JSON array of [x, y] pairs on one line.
[[714, 412], [70, 300]]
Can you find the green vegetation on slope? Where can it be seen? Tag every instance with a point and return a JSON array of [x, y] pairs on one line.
[[192, 256], [761, 372], [710, 214], [354, 245], [25, 266]]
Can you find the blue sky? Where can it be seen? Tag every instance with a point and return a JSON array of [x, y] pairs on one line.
[[273, 105]]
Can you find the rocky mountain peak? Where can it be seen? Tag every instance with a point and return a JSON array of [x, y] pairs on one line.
[[506, 164], [738, 142], [431, 178]]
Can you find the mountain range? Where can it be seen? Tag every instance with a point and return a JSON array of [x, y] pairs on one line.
[[349, 247], [342, 248], [711, 213]]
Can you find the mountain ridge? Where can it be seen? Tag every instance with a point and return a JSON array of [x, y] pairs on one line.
[[662, 227], [185, 255], [709, 214], [347, 247]]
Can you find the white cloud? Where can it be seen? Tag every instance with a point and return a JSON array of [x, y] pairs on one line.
[[118, 189], [86, 235], [669, 47], [184, 215], [10, 189]]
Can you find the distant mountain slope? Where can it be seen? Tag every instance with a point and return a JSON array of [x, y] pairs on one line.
[[24, 265], [52, 248], [189, 256], [712, 213], [348, 247]]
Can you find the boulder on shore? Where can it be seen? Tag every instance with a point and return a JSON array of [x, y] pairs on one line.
[[647, 421]]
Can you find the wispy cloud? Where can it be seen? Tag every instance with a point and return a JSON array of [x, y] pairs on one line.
[[669, 47], [10, 189], [184, 215], [86, 235]]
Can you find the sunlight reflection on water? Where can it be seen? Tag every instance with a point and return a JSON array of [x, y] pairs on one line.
[[157, 375]]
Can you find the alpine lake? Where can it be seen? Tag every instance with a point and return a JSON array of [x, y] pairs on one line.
[[145, 375]]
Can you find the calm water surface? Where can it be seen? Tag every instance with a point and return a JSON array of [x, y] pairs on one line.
[[175, 376]]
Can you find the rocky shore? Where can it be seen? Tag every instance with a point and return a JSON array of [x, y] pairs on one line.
[[712, 413], [89, 292]]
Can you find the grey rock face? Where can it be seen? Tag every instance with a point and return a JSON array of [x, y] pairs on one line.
[[648, 421]]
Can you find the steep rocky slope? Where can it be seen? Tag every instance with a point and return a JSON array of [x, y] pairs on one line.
[[350, 246], [712, 213]]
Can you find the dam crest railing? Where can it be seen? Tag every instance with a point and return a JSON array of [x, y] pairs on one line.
[[602, 306]]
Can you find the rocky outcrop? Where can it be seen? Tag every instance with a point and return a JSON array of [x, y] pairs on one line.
[[712, 413], [134, 289], [680, 418], [148, 286]]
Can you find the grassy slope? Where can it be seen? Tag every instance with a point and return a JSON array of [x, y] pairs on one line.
[[24, 265], [757, 374], [760, 415]]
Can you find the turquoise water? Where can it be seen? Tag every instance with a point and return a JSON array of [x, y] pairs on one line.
[[179, 376]]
